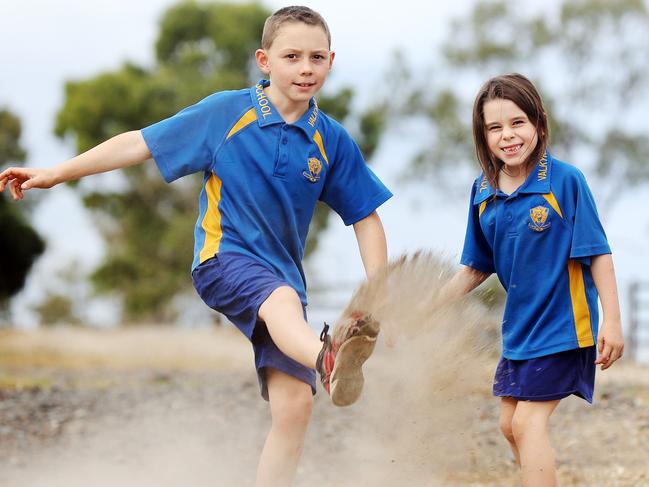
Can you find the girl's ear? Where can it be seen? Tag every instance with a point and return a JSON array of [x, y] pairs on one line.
[[262, 61]]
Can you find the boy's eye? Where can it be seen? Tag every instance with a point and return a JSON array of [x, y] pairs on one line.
[[291, 56], [318, 57]]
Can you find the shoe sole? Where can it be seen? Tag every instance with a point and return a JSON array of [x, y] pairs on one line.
[[346, 381]]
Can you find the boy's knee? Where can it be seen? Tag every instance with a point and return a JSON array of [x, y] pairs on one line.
[[293, 410]]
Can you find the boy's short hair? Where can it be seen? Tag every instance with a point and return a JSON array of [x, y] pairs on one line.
[[291, 14]]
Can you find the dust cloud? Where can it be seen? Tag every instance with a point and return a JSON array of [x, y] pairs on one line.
[[411, 427]]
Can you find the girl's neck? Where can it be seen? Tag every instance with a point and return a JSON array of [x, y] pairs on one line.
[[509, 180]]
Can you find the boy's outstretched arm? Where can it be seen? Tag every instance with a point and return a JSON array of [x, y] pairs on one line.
[[121, 151], [371, 243], [610, 342]]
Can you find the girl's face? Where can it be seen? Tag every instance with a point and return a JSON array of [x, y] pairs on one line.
[[511, 137]]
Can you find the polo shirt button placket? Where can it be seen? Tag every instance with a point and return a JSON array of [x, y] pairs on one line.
[[282, 160]]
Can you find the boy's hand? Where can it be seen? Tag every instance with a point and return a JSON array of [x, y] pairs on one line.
[[610, 344], [19, 179]]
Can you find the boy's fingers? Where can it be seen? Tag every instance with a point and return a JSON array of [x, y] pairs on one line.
[[15, 189], [600, 344], [12, 190]]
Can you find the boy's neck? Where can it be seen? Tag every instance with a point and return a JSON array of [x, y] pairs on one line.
[[290, 111]]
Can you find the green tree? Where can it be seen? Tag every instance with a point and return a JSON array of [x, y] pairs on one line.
[[201, 48], [590, 60], [20, 245]]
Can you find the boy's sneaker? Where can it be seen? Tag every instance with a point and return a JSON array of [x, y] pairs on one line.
[[340, 362]]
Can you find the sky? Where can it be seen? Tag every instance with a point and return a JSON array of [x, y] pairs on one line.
[[43, 43]]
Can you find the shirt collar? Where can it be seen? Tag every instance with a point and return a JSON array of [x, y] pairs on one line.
[[267, 114], [484, 190], [537, 182], [539, 179]]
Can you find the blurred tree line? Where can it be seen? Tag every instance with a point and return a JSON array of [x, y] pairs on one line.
[[588, 57], [590, 61]]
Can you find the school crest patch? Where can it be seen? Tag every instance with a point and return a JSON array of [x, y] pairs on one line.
[[315, 167], [539, 216]]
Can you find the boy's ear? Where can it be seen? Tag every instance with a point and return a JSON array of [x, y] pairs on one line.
[[332, 55], [262, 61]]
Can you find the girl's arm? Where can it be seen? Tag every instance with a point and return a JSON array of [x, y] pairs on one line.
[[371, 243], [463, 282], [121, 151], [610, 342]]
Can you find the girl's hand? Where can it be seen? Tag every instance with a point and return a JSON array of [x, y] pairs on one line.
[[20, 179], [610, 343]]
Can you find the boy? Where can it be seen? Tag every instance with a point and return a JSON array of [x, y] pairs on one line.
[[268, 155]]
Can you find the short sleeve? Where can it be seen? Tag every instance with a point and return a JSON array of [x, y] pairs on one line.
[[588, 236], [477, 252], [352, 190], [185, 143]]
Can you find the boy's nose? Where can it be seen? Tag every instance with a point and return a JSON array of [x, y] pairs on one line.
[[305, 68]]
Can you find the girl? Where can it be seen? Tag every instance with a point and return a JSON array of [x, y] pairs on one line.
[[533, 221]]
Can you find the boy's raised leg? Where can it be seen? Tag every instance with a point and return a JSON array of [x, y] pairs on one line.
[[338, 361], [284, 317], [291, 403]]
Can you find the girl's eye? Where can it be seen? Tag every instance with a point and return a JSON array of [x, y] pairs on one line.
[[493, 128]]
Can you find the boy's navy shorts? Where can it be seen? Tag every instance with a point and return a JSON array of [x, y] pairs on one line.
[[236, 286], [548, 378]]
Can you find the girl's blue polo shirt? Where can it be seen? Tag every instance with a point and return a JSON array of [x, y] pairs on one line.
[[539, 241], [263, 177]]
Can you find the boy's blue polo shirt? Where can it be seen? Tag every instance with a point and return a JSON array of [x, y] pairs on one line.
[[539, 241], [262, 176]]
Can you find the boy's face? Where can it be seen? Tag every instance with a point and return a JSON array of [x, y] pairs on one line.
[[298, 62]]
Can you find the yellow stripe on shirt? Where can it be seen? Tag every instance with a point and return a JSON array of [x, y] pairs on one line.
[[553, 203], [580, 310], [212, 219], [483, 205], [317, 138], [211, 223], [246, 119]]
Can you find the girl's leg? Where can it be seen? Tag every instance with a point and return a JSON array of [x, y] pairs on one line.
[[507, 409], [530, 429], [284, 317], [291, 403]]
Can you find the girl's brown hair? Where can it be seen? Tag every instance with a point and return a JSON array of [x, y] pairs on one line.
[[520, 90]]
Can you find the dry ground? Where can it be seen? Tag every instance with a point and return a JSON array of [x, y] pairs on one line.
[[157, 406]]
